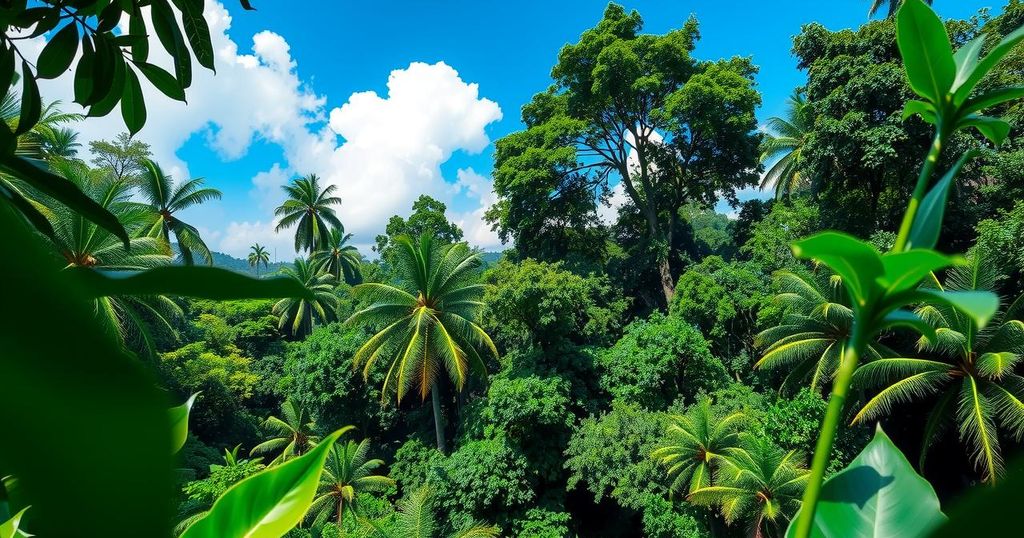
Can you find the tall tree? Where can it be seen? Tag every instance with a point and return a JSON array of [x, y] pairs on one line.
[[124, 157], [426, 323], [311, 208], [971, 372], [347, 473], [165, 201], [258, 254], [297, 315], [427, 217], [783, 146], [339, 258], [637, 108]]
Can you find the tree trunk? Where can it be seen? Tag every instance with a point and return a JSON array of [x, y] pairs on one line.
[[435, 397], [668, 287]]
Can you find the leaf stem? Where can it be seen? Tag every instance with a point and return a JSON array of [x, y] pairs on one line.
[[919, 191], [829, 426]]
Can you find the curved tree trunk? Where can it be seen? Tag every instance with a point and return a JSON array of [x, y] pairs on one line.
[[435, 397]]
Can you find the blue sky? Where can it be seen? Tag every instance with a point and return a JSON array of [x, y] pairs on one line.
[[254, 125]]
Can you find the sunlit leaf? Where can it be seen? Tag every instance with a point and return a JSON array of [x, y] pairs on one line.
[[179, 423], [924, 232], [986, 64], [10, 528], [904, 270], [927, 53], [856, 262], [979, 305]]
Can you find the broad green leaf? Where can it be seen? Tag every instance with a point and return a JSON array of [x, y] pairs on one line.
[[179, 423], [924, 232], [986, 64], [927, 54], [966, 59], [137, 27], [70, 379], [997, 364], [856, 262], [877, 495], [269, 503], [979, 305], [84, 71], [992, 98], [197, 31], [908, 319], [106, 105], [165, 23], [9, 528], [905, 270], [162, 80], [7, 74], [64, 192], [994, 129], [59, 52], [189, 281], [31, 104], [102, 69], [133, 105], [921, 108]]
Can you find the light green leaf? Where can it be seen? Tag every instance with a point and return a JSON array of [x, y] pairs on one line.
[[986, 64], [877, 495], [992, 98], [927, 54], [179, 423], [9, 528], [269, 503], [904, 270], [921, 108], [966, 59], [856, 262], [979, 305], [994, 129], [924, 233]]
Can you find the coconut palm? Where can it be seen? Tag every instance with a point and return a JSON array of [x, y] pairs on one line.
[[814, 329], [339, 258], [165, 201], [294, 433], [81, 243], [696, 443], [296, 315], [258, 254], [311, 209], [783, 143], [61, 142], [347, 473], [426, 322], [416, 518], [759, 484], [969, 372], [894, 6]]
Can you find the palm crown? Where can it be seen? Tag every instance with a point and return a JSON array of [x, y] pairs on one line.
[[258, 255], [311, 209], [294, 433], [695, 445], [165, 200], [784, 142], [814, 330], [297, 314], [339, 258], [347, 473], [416, 518], [971, 372]]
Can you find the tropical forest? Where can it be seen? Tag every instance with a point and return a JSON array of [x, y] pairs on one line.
[[685, 292]]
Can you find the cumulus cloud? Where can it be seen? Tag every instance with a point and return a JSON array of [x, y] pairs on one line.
[[478, 232], [381, 151]]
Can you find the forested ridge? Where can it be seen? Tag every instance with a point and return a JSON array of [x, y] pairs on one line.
[[665, 373]]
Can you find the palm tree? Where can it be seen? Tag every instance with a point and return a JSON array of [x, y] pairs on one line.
[[61, 142], [894, 6], [697, 442], [33, 144], [165, 200], [783, 143], [258, 254], [311, 208], [339, 258], [818, 321], [347, 473], [297, 314], [428, 321], [760, 484], [294, 433], [416, 518], [81, 243], [970, 371]]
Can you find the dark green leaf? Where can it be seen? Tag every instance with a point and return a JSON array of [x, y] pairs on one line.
[[925, 110], [877, 495], [105, 105], [179, 423], [109, 17], [31, 104], [198, 32], [190, 281], [58, 53], [984, 511], [6, 68], [47, 23], [84, 71], [64, 192], [166, 26], [992, 98], [910, 320], [269, 503], [994, 129], [163, 81], [137, 28], [924, 233], [927, 54], [247, 5], [30, 211], [855, 261], [986, 64], [103, 69], [133, 106]]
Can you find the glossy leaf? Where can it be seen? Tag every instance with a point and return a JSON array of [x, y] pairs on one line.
[[197, 31], [83, 71], [179, 423], [927, 53], [137, 27], [905, 270], [992, 98], [924, 232], [966, 60], [979, 305], [986, 64], [908, 319], [986, 511], [10, 528], [994, 129], [163, 81], [267, 504], [133, 105], [59, 52], [165, 23], [921, 108], [106, 105], [188, 281], [856, 262], [877, 495]]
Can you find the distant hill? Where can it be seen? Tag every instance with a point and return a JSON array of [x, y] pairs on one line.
[[227, 261]]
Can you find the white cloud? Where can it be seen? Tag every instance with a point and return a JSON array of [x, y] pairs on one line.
[[239, 236], [609, 214], [478, 232]]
